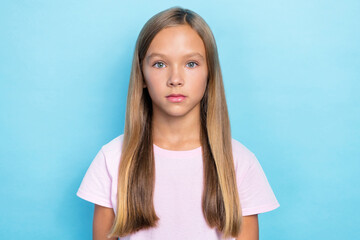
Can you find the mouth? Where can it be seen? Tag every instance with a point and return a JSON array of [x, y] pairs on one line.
[[175, 98], [175, 95]]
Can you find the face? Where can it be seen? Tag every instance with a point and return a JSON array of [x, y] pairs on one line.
[[175, 71]]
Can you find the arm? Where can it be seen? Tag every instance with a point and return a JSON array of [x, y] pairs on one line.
[[250, 228], [102, 222]]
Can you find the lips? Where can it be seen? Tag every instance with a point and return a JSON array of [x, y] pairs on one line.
[[175, 95], [175, 98]]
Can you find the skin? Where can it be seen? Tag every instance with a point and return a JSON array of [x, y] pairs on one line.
[[250, 228], [176, 126], [102, 222]]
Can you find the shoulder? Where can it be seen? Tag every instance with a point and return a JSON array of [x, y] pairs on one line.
[[112, 153], [240, 148], [113, 146], [243, 157]]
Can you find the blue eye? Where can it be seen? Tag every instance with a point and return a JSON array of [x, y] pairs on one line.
[[192, 64], [159, 64]]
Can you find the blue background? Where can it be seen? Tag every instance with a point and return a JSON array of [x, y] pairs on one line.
[[291, 71]]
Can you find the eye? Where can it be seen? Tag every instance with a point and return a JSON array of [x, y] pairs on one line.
[[192, 64], [159, 65]]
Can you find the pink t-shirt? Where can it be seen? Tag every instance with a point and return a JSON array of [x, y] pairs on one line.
[[178, 189]]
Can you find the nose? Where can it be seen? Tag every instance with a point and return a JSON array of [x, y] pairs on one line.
[[176, 77]]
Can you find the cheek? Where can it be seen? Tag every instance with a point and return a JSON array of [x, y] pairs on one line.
[[150, 79], [198, 82], [152, 75], [154, 86]]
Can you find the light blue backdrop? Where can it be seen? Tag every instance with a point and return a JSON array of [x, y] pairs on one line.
[[291, 73]]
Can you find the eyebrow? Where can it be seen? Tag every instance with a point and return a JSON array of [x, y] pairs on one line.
[[164, 56]]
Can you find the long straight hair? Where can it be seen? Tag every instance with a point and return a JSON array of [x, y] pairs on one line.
[[136, 174]]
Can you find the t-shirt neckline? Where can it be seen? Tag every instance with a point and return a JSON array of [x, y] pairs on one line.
[[176, 153]]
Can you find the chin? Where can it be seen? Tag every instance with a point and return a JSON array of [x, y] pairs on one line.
[[176, 114], [175, 111]]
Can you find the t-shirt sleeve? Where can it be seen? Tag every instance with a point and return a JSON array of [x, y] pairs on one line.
[[255, 192], [96, 184]]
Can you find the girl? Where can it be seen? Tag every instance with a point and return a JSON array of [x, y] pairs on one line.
[[176, 172]]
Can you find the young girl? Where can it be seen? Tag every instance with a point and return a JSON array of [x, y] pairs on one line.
[[176, 172]]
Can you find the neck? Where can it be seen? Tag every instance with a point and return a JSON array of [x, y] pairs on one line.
[[177, 132]]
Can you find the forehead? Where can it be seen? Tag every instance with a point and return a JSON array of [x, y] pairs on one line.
[[177, 41]]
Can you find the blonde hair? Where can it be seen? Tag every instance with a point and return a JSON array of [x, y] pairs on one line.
[[136, 175]]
